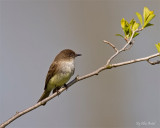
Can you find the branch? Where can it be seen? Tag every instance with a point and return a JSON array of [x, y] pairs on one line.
[[124, 48], [107, 42], [96, 72], [153, 63]]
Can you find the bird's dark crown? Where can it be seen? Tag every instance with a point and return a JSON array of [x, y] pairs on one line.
[[66, 54]]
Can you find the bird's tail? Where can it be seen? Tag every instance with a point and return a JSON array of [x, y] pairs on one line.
[[44, 95]]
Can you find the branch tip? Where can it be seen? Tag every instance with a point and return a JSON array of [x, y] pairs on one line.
[[109, 43], [153, 63]]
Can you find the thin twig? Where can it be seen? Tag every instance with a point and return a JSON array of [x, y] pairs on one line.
[[125, 47], [107, 42], [153, 63], [129, 46], [122, 49], [136, 60]]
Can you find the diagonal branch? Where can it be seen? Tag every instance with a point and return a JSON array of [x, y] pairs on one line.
[[124, 48], [107, 42], [127, 46]]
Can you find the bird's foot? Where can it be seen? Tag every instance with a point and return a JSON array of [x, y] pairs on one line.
[[57, 90], [58, 93], [66, 87]]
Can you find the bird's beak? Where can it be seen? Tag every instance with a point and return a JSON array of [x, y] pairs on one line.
[[78, 55]]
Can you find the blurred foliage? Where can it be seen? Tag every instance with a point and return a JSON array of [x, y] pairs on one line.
[[158, 47]]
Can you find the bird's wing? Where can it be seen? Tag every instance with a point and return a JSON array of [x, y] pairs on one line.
[[51, 72]]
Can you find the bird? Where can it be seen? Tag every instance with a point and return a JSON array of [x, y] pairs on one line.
[[59, 73]]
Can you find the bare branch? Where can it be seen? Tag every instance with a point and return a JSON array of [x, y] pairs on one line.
[[111, 45], [124, 48], [129, 46], [153, 63], [135, 61]]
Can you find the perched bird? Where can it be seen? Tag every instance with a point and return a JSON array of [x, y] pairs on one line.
[[60, 71]]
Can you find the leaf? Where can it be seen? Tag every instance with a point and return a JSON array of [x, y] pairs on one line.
[[132, 22], [135, 26], [140, 18], [158, 47], [150, 17], [146, 13], [149, 24], [135, 34], [125, 27], [120, 35], [126, 30], [130, 32], [123, 23]]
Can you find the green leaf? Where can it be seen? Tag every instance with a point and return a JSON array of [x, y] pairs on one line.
[[146, 13], [135, 26], [126, 30], [140, 18], [158, 47], [132, 22], [126, 23], [150, 17], [135, 34], [120, 35], [123, 22], [149, 24], [130, 32], [125, 27]]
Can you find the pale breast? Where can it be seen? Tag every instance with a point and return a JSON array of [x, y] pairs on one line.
[[67, 67], [67, 70]]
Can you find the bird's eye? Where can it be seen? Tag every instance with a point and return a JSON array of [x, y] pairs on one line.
[[71, 55]]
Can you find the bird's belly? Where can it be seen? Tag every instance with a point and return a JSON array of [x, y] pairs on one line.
[[58, 80]]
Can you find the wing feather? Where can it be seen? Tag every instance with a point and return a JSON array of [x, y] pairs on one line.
[[51, 72]]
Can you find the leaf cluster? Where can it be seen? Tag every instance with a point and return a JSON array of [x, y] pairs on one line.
[[133, 26]]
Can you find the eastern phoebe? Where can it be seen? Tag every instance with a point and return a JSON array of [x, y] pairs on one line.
[[60, 71]]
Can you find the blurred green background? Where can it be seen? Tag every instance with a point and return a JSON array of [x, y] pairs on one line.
[[32, 32]]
